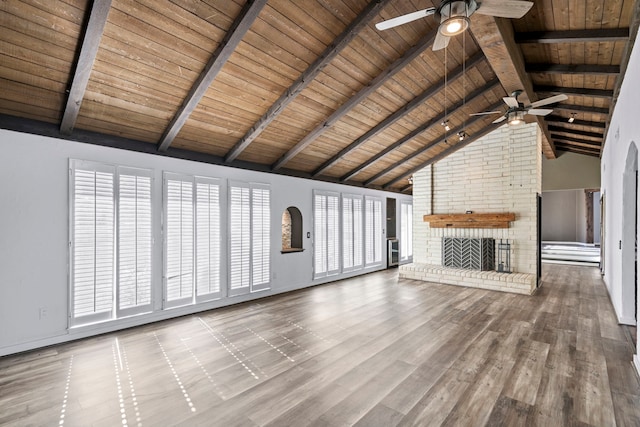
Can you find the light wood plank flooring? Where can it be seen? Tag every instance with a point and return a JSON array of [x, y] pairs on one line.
[[369, 351]]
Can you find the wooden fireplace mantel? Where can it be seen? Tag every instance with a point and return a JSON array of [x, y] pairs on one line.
[[471, 220]]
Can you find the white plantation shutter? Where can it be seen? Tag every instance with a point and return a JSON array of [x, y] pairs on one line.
[[178, 225], [333, 234], [260, 237], [250, 236], [347, 232], [92, 243], [134, 241], [357, 232], [373, 231], [320, 235], [240, 238], [326, 224], [406, 231], [351, 232], [207, 239]]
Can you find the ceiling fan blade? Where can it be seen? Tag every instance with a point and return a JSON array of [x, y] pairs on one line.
[[501, 119], [540, 111], [486, 113], [504, 8], [405, 19], [550, 100], [440, 42], [510, 101]]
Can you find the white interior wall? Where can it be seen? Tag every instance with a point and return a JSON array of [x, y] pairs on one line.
[[34, 234], [560, 216], [581, 216], [624, 130], [570, 171]]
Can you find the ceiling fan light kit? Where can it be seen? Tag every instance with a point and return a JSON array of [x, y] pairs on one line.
[[515, 117], [454, 17]]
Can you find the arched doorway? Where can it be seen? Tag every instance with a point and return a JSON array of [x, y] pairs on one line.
[[630, 237]]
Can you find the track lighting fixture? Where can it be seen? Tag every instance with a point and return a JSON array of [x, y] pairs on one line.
[[445, 124], [462, 135], [572, 118]]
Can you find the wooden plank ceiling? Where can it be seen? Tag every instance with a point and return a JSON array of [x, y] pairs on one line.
[[307, 88]]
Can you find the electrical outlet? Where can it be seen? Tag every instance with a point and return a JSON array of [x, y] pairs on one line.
[[42, 312]]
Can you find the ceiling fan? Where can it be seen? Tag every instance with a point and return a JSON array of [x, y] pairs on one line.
[[454, 16], [516, 111]]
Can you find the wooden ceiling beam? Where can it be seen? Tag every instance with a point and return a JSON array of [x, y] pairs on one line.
[[575, 91], [332, 50], [425, 42], [581, 108], [225, 49], [406, 109], [576, 132], [452, 149], [560, 143], [451, 134], [495, 36], [88, 51], [570, 139], [574, 36], [594, 69], [577, 150], [420, 129], [406, 188], [576, 122]]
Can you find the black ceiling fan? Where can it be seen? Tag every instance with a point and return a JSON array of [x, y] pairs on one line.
[[454, 16], [517, 110]]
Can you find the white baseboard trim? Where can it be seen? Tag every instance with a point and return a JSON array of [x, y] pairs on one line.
[[636, 362], [629, 321]]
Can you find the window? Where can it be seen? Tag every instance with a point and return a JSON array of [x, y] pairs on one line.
[[326, 234], [178, 240], [134, 241], [207, 239], [406, 231], [351, 232], [111, 241], [192, 239], [373, 231], [250, 237]]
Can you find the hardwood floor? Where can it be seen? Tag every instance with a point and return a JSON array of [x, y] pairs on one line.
[[369, 351]]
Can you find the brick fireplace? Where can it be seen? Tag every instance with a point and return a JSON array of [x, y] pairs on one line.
[[499, 173]]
